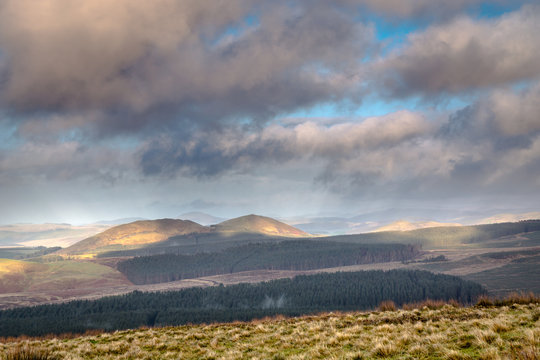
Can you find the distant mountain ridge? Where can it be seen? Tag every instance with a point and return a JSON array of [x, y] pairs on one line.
[[404, 225]]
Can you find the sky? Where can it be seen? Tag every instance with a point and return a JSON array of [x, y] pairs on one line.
[[131, 108]]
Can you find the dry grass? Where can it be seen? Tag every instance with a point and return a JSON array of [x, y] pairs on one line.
[[27, 352], [387, 305], [427, 332]]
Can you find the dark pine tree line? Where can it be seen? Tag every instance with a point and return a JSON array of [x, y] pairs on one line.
[[301, 295], [285, 255]]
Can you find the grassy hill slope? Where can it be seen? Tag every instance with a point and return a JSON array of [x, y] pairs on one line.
[[404, 225], [158, 236], [22, 276], [133, 235], [425, 333], [492, 235], [260, 225]]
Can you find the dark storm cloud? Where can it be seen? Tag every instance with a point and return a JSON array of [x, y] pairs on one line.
[[484, 146], [503, 114], [233, 149], [139, 63], [464, 55]]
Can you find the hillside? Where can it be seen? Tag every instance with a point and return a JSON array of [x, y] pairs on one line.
[[499, 218], [435, 332], [404, 225], [283, 255], [451, 237], [259, 225], [133, 235], [24, 276], [149, 237]]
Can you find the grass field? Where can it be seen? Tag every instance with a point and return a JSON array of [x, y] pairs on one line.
[[447, 332], [19, 276], [522, 274]]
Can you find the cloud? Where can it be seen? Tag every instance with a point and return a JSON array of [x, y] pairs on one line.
[[153, 64], [418, 8], [503, 114], [464, 55], [491, 143], [211, 154], [36, 162]]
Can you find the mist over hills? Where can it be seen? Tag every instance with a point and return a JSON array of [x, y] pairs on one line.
[[403, 219], [47, 234], [201, 218]]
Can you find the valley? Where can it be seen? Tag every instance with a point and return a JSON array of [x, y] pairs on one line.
[[86, 269]]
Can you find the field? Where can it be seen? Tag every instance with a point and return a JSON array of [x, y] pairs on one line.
[[427, 332], [29, 283]]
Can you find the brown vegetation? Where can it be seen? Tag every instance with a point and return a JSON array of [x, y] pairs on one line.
[[26, 352], [448, 332]]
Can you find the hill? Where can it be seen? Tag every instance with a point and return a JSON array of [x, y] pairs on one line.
[[434, 332], [259, 225], [150, 237], [133, 235], [404, 225], [510, 217], [26, 276], [450, 237]]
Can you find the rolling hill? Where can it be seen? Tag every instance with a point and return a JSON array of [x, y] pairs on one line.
[[259, 225], [133, 235], [25, 276], [404, 225], [184, 235]]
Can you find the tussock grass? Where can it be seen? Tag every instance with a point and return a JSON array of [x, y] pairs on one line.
[[509, 300], [27, 352], [429, 331], [387, 305]]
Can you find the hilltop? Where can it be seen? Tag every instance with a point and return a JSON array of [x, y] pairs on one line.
[[134, 234], [260, 225], [404, 225], [163, 233]]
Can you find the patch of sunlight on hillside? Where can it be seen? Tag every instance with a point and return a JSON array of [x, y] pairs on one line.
[[15, 266], [16, 276]]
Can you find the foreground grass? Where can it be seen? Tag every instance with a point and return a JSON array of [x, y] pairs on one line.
[[505, 332]]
